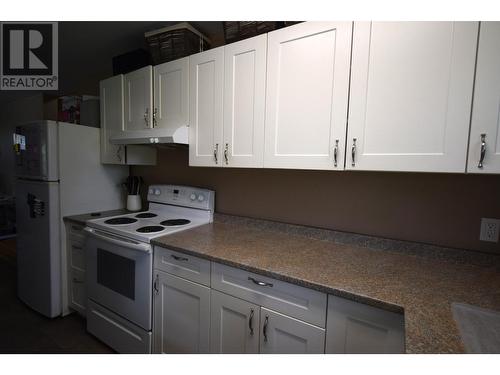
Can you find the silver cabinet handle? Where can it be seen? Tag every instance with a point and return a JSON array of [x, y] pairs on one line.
[[264, 330], [75, 280], [260, 283], [250, 322], [155, 285], [146, 117], [353, 152], [176, 257], [335, 152], [216, 152], [155, 111], [226, 150], [118, 153], [483, 151]]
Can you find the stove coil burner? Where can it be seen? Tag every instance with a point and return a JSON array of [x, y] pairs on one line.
[[145, 215], [175, 222], [120, 220], [150, 229]]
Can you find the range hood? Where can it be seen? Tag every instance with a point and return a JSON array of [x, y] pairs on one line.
[[151, 136]]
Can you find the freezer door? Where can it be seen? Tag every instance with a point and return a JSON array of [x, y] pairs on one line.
[[36, 158], [38, 246]]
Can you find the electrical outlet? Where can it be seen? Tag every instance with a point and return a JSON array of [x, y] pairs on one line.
[[489, 229]]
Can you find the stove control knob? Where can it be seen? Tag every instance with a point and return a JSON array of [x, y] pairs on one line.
[[157, 191], [201, 198], [192, 196]]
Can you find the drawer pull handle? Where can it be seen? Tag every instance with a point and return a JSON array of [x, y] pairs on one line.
[[335, 152], [264, 330], [75, 280], [250, 322], [176, 257], [260, 283], [483, 151], [155, 285]]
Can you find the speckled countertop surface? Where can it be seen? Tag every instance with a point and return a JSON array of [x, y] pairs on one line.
[[422, 287], [81, 219]]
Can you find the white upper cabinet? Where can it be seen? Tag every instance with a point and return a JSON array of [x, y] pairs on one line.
[[244, 102], [206, 80], [484, 143], [111, 101], [307, 95], [410, 96], [171, 94], [139, 99]]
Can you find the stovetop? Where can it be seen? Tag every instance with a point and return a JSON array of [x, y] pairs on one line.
[[158, 221]]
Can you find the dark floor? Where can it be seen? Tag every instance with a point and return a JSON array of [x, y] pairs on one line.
[[23, 330]]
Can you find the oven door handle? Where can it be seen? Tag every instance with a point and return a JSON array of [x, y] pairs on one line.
[[129, 244]]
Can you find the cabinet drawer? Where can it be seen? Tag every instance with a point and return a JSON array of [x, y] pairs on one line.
[[77, 254], [293, 300], [186, 266], [75, 232]]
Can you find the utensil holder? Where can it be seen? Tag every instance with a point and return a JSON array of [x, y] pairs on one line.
[[133, 202]]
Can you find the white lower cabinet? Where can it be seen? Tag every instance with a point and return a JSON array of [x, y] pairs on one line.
[[181, 315], [234, 325], [357, 328], [281, 334], [247, 318], [75, 253]]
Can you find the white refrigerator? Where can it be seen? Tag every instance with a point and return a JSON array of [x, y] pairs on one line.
[[58, 173]]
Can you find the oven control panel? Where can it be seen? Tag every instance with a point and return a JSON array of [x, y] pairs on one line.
[[185, 196]]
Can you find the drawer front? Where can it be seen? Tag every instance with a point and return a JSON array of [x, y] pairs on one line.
[[77, 255], [179, 264], [76, 229], [120, 334], [75, 232], [293, 300]]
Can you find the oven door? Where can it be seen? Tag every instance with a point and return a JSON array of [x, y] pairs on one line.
[[119, 275]]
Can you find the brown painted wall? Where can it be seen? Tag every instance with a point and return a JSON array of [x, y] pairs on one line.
[[442, 209]]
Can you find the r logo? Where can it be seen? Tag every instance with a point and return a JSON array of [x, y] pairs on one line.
[[29, 56]]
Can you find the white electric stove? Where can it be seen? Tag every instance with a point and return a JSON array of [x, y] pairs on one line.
[[119, 260]]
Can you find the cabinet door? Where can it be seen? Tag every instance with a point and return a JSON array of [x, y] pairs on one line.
[[307, 93], [139, 99], [171, 94], [206, 76], [411, 92], [281, 334], [354, 328], [181, 315], [77, 290], [244, 102], [111, 101], [235, 325], [486, 108]]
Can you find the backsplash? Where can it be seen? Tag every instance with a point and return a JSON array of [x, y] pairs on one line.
[[439, 209]]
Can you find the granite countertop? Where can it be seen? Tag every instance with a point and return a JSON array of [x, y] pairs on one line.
[[82, 219], [421, 287]]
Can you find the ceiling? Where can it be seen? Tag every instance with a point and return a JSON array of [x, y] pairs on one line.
[[86, 50]]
